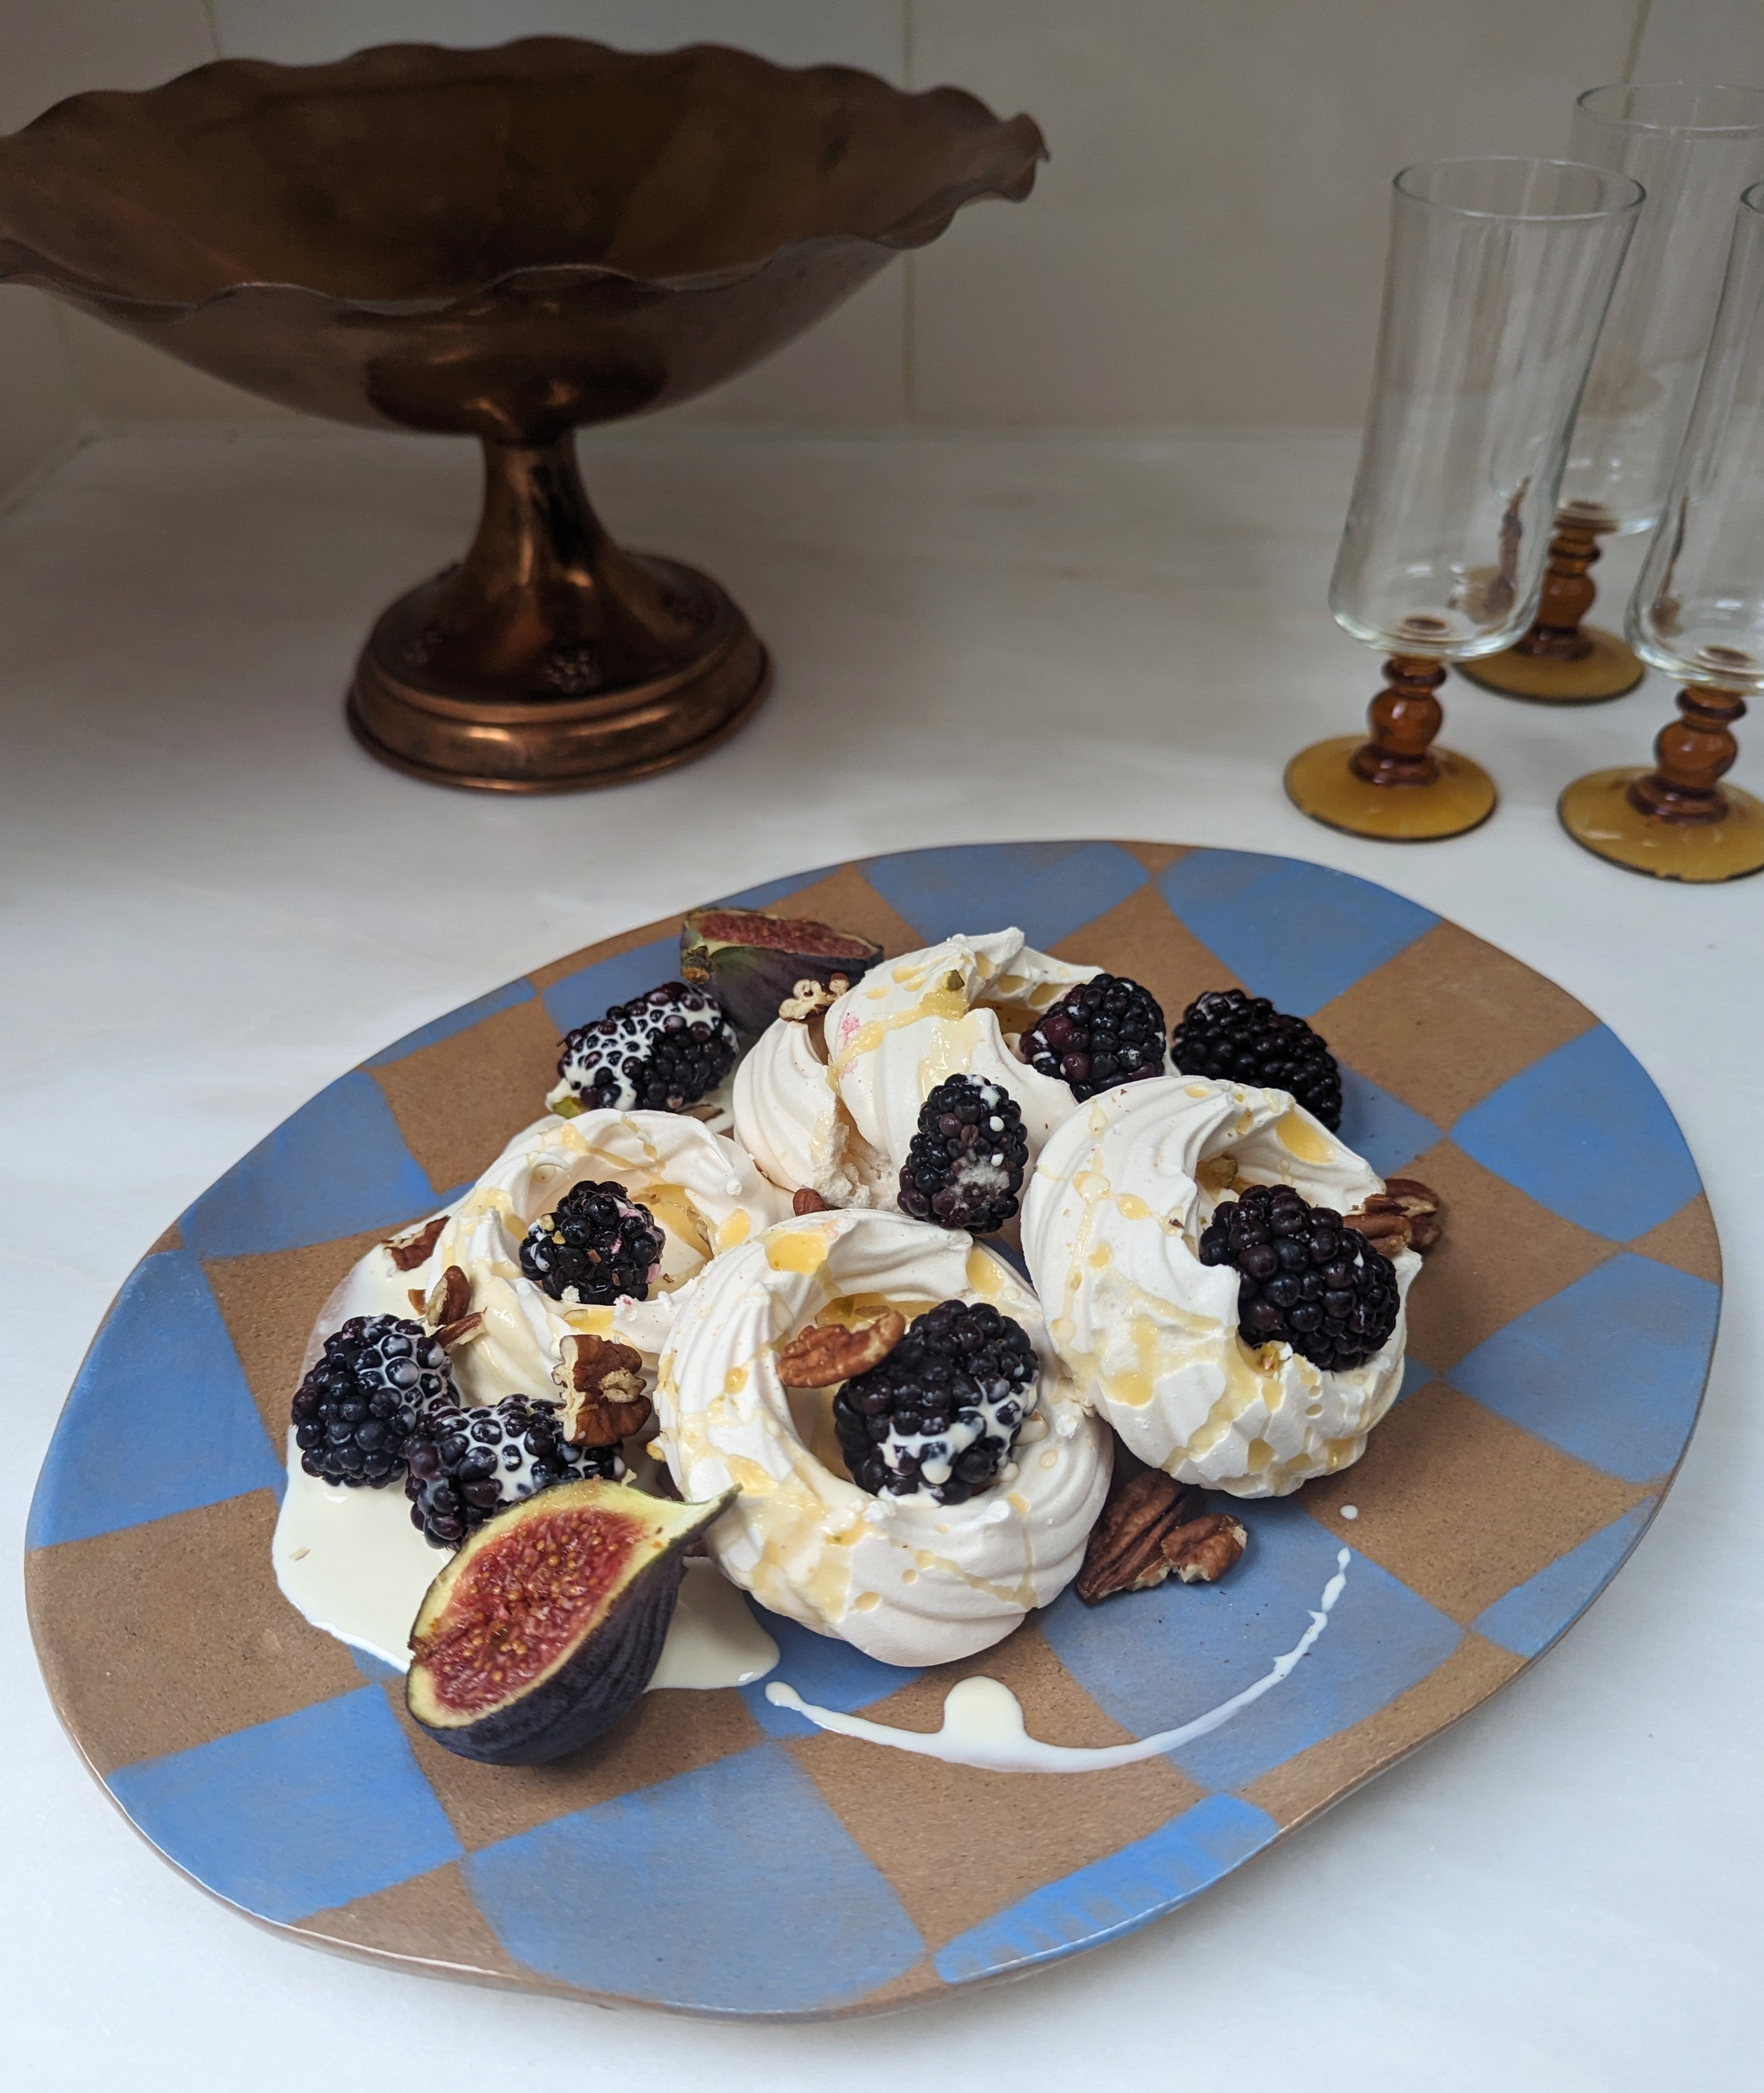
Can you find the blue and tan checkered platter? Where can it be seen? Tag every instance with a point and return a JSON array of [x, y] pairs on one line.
[[716, 1854]]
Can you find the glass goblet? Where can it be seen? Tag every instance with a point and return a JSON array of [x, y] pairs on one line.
[[1698, 614], [1693, 148], [1496, 279]]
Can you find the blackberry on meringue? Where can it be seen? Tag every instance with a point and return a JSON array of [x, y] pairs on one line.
[[660, 1052], [1305, 1279], [965, 1167], [1106, 1030], [1239, 1039], [597, 1247], [942, 1412]]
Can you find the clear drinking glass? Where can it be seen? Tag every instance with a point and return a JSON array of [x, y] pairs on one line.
[[1498, 275], [1693, 148], [1698, 612]]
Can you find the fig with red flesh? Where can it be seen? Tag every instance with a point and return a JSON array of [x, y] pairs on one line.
[[753, 961], [546, 1626]]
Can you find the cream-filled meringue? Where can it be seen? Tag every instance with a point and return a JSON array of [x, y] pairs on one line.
[[905, 1579], [1112, 1217], [704, 1194], [834, 1104]]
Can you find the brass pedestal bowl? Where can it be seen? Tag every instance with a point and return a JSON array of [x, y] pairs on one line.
[[508, 244]]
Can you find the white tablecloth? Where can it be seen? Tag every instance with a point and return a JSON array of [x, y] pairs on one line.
[[211, 902]]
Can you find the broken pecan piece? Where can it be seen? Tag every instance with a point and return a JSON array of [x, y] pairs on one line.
[[828, 1353], [807, 1201], [810, 998], [1204, 1549], [459, 1331], [1125, 1551], [414, 1248], [603, 1397], [449, 1298], [1401, 1217]]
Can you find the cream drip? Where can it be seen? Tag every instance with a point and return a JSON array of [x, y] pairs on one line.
[[983, 1724], [352, 1562]]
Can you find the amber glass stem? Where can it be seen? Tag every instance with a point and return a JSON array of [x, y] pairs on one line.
[[1693, 752], [1568, 592], [1404, 717]]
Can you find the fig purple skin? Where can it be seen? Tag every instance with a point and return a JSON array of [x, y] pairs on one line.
[[582, 1668], [751, 961]]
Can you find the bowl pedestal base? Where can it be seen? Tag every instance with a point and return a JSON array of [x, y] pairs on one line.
[[550, 659]]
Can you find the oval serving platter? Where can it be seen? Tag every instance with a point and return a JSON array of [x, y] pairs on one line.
[[717, 1854]]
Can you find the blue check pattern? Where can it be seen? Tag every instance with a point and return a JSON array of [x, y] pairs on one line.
[[739, 1886]]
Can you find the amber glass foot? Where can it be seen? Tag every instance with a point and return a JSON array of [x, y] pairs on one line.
[[1394, 783], [1563, 660], [1320, 783], [1608, 669], [1598, 812]]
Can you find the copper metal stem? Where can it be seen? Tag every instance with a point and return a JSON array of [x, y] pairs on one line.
[[550, 658]]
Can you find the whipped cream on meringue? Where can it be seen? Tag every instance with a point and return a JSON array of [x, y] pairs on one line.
[[834, 1104], [1112, 1215], [905, 1579], [704, 1194]]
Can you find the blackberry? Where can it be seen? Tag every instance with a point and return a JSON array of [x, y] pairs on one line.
[[965, 1167], [1305, 1279], [1244, 1039], [944, 1410], [463, 1466], [660, 1052], [353, 1413], [1106, 1030], [597, 1245]]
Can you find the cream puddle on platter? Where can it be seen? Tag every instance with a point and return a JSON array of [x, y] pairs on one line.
[[352, 1561], [354, 1564], [983, 1722]]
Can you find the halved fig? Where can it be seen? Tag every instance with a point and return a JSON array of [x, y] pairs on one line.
[[753, 961], [548, 1623]]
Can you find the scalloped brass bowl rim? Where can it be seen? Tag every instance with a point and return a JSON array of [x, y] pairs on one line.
[[916, 227]]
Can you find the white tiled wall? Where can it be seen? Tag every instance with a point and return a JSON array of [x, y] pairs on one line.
[[1205, 247]]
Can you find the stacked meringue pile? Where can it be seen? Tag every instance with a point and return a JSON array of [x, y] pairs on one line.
[[765, 1270]]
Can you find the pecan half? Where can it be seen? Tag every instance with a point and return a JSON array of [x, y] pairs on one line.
[[1204, 1549], [807, 1201], [828, 1353], [603, 1397], [459, 1331], [1401, 1217], [414, 1248], [449, 1298], [1125, 1551]]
